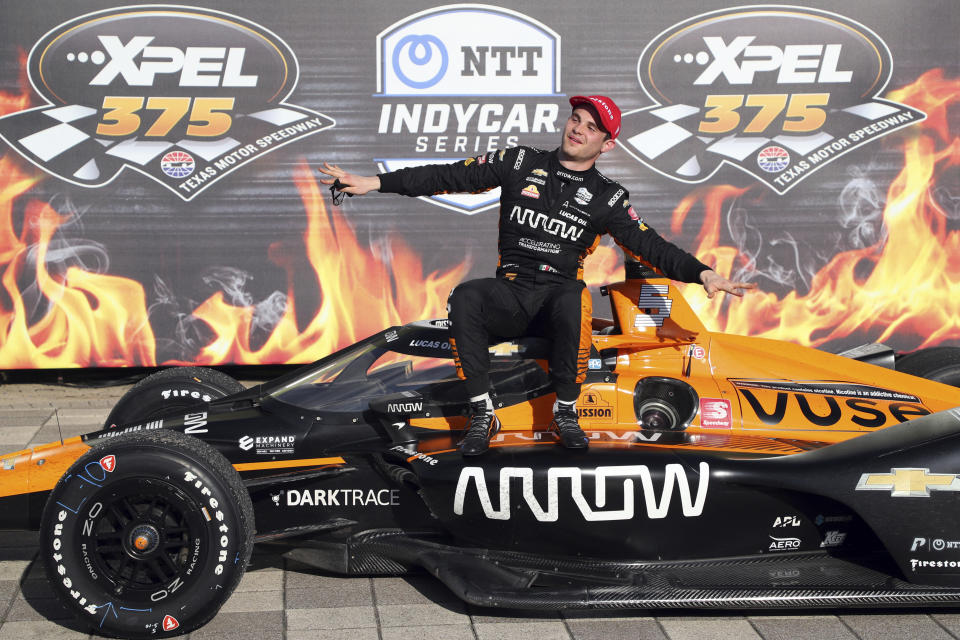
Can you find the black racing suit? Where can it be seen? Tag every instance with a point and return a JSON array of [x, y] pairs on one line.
[[551, 218]]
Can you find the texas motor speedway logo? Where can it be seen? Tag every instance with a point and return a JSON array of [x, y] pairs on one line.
[[180, 94], [776, 91], [462, 80]]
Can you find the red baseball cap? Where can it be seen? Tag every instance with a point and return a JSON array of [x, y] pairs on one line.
[[607, 109]]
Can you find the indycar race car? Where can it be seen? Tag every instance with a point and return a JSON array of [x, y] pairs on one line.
[[723, 471]]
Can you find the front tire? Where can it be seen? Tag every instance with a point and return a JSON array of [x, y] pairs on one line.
[[170, 391], [147, 534], [941, 364]]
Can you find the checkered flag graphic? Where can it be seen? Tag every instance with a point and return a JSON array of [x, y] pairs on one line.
[[62, 140], [668, 141]]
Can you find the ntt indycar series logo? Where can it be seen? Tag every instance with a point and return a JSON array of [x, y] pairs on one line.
[[462, 80], [776, 91], [180, 94]]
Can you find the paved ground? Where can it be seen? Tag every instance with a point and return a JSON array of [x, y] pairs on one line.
[[279, 599]]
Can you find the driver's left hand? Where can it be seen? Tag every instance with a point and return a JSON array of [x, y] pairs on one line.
[[713, 282]]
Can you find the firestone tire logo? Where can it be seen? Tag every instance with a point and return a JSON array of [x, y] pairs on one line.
[[776, 91], [180, 94], [463, 80]]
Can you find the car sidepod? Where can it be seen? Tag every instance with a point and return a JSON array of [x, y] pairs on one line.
[[867, 522]]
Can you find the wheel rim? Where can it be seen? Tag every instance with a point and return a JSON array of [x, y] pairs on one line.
[[146, 537]]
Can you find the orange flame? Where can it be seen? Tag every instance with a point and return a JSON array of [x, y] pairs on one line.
[[93, 319], [12, 102], [361, 293], [101, 320], [913, 289], [603, 266]]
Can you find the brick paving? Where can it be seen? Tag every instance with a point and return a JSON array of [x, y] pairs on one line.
[[279, 599]]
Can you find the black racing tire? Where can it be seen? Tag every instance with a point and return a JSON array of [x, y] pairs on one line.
[[147, 534], [941, 364], [170, 391]]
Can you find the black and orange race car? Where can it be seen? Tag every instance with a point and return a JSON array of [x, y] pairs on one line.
[[723, 471]]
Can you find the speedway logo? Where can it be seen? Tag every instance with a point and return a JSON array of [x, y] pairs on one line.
[[656, 502], [463, 80], [180, 94], [778, 92]]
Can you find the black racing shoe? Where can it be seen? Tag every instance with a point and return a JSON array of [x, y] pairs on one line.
[[566, 425], [483, 425]]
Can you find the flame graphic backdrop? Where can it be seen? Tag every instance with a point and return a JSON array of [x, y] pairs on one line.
[[906, 285], [868, 251]]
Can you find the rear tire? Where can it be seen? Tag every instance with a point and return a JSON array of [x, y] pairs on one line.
[[170, 391], [941, 364], [147, 534]]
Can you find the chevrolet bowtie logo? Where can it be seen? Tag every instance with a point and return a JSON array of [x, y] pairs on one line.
[[909, 483], [505, 349]]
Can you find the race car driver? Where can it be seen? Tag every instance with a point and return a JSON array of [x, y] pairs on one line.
[[554, 206]]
